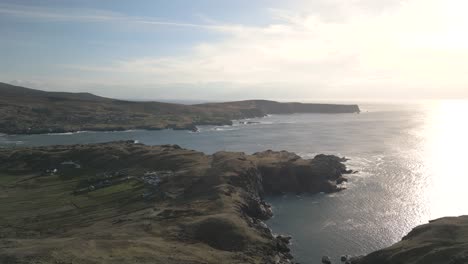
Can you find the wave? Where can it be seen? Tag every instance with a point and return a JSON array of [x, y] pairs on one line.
[[118, 131], [9, 142], [128, 131], [91, 132], [307, 155], [253, 123], [202, 129], [68, 133], [230, 128]]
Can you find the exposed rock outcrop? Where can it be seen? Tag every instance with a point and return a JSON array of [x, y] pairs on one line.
[[320, 174], [123, 202]]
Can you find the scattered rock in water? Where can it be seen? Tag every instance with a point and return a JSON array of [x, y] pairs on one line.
[[284, 239], [326, 260], [353, 260], [341, 180]]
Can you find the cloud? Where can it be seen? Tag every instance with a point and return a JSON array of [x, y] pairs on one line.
[[91, 16], [399, 49], [67, 14]]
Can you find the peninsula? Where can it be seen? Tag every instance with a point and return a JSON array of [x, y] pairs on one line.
[[29, 111], [123, 202]]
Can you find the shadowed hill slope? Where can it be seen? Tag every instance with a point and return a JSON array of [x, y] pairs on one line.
[[8, 90], [29, 111], [442, 241]]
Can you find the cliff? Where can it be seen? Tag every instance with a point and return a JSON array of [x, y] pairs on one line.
[[123, 202], [272, 107], [441, 241], [29, 111]]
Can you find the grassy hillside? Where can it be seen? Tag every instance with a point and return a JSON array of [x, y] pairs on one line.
[[442, 241], [121, 202], [29, 111]]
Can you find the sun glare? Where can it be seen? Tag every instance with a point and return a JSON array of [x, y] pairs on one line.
[[446, 146]]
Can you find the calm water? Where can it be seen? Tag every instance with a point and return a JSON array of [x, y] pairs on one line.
[[411, 162]]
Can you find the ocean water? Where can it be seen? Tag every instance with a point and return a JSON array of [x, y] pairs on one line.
[[411, 160]]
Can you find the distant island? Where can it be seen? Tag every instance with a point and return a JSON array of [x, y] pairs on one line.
[[30, 111]]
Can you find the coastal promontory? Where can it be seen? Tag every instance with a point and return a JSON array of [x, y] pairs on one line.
[[123, 202], [29, 111], [441, 241]]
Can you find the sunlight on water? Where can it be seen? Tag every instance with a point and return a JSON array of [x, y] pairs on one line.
[[446, 150]]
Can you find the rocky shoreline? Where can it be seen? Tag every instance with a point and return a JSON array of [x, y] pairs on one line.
[[123, 202], [30, 111]]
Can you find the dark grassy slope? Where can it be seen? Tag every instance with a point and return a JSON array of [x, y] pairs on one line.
[[121, 202], [442, 241], [8, 90], [29, 111]]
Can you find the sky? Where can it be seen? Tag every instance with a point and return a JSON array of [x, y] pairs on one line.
[[244, 49]]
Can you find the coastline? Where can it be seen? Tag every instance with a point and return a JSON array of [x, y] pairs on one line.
[[29, 111], [219, 209], [193, 128]]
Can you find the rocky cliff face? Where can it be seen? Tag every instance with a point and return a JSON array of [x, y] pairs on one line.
[[123, 202], [320, 174], [272, 107], [442, 241]]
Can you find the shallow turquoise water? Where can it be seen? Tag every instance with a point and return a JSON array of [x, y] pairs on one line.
[[408, 157]]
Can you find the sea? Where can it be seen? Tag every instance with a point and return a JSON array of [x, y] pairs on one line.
[[410, 157]]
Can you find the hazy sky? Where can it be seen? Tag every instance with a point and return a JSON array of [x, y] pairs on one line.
[[219, 49]]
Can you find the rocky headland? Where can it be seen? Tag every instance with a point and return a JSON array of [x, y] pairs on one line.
[[441, 241], [123, 202], [29, 111]]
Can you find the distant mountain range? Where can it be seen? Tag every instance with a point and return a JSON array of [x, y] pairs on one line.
[[29, 111]]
